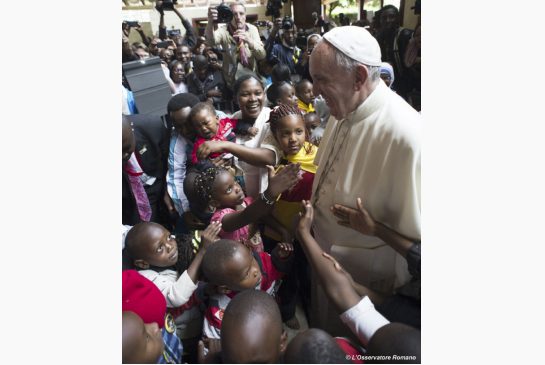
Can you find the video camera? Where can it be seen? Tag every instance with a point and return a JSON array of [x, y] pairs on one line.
[[225, 15], [287, 23], [174, 32], [167, 5]]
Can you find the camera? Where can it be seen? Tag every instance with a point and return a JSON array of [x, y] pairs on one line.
[[168, 4], [174, 32], [287, 23], [273, 8], [261, 23], [225, 15]]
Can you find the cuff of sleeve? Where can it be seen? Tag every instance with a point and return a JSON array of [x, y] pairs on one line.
[[187, 279], [364, 320]]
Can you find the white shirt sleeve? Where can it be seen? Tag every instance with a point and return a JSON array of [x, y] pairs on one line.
[[363, 320], [177, 160], [176, 291], [124, 230]]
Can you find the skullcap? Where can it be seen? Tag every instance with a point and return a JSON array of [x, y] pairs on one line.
[[356, 43]]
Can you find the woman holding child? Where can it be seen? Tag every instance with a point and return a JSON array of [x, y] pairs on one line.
[[252, 155]]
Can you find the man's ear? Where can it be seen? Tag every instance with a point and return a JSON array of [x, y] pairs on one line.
[[283, 341], [141, 264], [222, 289], [361, 76]]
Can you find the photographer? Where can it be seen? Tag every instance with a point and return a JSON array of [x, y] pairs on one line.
[[190, 39], [240, 42], [286, 51]]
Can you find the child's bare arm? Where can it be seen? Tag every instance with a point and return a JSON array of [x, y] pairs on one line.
[[361, 221], [283, 180], [254, 156], [335, 281]]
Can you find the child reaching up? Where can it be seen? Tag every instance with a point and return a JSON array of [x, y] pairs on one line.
[[232, 268], [238, 213], [373, 330], [156, 254]]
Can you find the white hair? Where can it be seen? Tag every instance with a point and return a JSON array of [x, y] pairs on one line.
[[350, 65]]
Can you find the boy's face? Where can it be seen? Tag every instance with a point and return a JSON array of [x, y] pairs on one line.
[[180, 121], [312, 121], [287, 95], [159, 247], [205, 124], [243, 271], [305, 93], [183, 54], [227, 192], [142, 343]]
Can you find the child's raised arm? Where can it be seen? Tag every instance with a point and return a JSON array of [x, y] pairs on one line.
[[336, 283], [258, 156], [278, 183]]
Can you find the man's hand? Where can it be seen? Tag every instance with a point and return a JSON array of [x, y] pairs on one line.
[[285, 179], [210, 234], [359, 220], [209, 147], [276, 25], [240, 35], [212, 14], [214, 93]]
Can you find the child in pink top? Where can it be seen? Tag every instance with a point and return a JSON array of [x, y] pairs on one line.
[[238, 214]]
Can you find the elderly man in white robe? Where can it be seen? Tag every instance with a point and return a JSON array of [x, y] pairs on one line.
[[370, 149]]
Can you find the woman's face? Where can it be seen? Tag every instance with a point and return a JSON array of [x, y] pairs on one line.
[[178, 73], [250, 98]]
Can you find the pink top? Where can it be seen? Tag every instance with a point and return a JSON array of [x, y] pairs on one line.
[[244, 235]]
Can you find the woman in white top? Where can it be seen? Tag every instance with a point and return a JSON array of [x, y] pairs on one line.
[[177, 77], [252, 158]]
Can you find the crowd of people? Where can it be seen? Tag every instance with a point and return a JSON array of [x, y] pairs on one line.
[[282, 177]]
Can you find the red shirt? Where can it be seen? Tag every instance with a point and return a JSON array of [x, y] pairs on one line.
[[225, 132]]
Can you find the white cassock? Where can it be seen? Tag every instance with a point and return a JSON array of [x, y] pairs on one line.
[[374, 153]]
